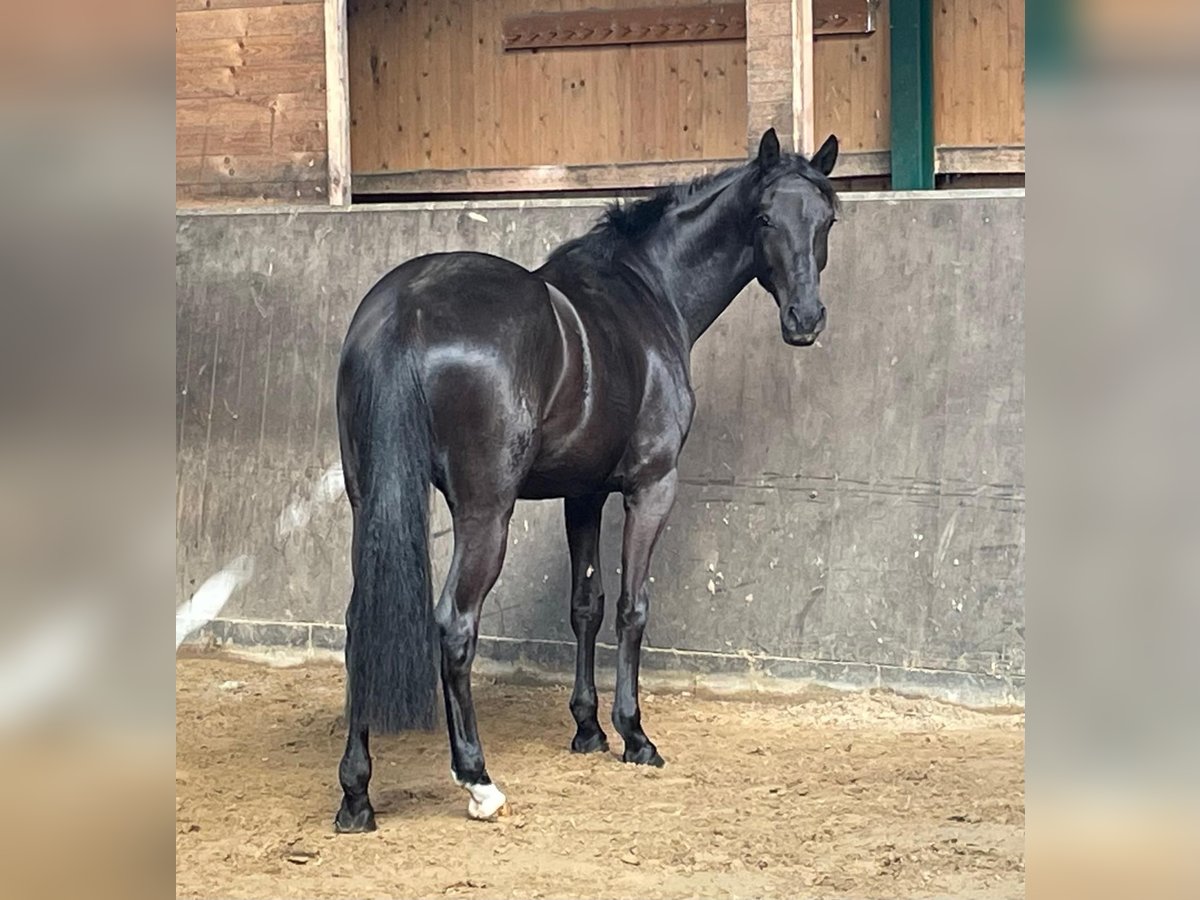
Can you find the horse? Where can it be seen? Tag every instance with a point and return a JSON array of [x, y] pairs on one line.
[[492, 382]]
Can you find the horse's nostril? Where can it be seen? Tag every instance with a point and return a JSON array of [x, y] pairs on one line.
[[791, 320]]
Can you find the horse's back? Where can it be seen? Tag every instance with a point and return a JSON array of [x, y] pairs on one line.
[[459, 298]]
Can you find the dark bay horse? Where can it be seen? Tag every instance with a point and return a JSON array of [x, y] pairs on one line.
[[494, 383]]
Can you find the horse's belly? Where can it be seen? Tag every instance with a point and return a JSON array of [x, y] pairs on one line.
[[570, 468]]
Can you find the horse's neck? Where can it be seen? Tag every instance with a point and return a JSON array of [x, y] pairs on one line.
[[711, 286], [701, 266]]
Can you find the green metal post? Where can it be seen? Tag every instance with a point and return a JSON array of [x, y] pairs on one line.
[[911, 23]]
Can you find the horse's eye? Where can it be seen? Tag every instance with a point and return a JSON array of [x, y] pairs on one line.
[[764, 221]]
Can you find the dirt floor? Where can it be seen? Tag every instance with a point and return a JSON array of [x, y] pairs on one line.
[[853, 795]]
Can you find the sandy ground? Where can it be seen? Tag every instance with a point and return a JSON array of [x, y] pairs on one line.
[[862, 795]]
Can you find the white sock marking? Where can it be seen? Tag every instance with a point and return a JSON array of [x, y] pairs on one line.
[[486, 800]]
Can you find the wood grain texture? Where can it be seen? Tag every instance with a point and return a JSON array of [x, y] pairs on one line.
[[980, 160], [779, 62], [251, 107], [256, 21], [851, 87], [594, 106], [191, 5], [666, 24], [979, 73], [337, 103], [594, 177], [618, 27], [432, 88]]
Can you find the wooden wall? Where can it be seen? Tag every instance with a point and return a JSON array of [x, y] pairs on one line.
[[431, 88], [850, 80], [250, 103], [414, 107], [979, 72]]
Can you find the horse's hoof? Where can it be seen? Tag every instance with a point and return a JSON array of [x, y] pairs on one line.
[[643, 756], [590, 743], [487, 802], [356, 823]]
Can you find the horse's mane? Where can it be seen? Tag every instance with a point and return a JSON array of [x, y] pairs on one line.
[[624, 224]]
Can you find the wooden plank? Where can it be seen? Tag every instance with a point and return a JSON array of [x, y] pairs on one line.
[[337, 103], [691, 100], [256, 192], [251, 169], [189, 5], [258, 21], [193, 82], [299, 123], [779, 80], [485, 124], [287, 123], [1016, 70], [979, 69], [264, 51], [980, 160], [241, 127], [659, 24], [572, 104], [536, 178], [366, 120], [589, 177], [804, 137], [188, 169], [429, 98], [852, 79], [460, 137]]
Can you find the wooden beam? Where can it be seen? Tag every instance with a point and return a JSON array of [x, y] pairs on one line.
[[980, 160], [779, 72], [545, 179], [537, 178], [659, 24], [337, 102]]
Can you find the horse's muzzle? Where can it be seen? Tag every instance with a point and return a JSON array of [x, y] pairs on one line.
[[800, 340], [802, 330]]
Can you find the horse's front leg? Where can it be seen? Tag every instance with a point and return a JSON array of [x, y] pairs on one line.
[[646, 509], [479, 543], [587, 612]]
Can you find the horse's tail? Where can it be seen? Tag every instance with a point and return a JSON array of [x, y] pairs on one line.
[[385, 431]]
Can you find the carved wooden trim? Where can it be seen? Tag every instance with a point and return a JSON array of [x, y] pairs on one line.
[[665, 24]]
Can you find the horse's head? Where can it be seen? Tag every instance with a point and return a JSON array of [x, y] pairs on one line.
[[791, 234]]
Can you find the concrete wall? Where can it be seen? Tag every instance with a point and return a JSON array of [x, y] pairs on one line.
[[852, 513]]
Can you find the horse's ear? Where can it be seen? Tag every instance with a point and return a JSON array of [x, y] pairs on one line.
[[768, 149], [825, 158]]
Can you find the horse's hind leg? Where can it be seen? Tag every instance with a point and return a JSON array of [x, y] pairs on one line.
[[587, 612], [646, 510], [354, 772], [480, 539]]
